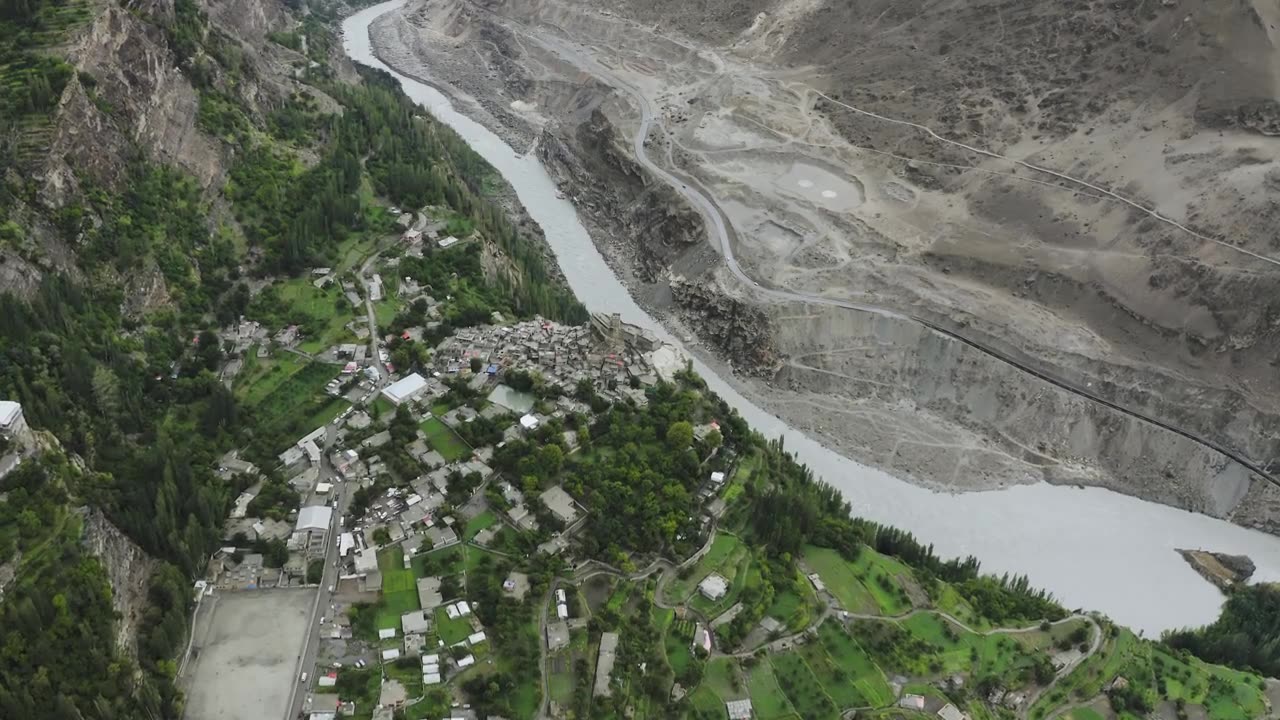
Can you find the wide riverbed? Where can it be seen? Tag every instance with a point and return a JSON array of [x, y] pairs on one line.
[[1092, 548]]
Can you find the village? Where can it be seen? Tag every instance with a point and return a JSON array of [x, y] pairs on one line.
[[399, 544], [514, 379]]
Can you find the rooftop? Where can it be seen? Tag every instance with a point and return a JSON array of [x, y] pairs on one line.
[[314, 517], [405, 388], [714, 586], [560, 503], [414, 622], [738, 709], [9, 412], [604, 665]]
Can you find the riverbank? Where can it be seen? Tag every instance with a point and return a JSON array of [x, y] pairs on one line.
[[1081, 544], [397, 41]]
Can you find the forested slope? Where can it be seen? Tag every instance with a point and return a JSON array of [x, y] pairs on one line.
[[157, 159]]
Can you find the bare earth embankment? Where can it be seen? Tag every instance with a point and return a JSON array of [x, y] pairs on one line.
[[1149, 285]]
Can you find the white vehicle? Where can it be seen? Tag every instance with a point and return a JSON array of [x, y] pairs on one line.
[[302, 678], [338, 665], [321, 619], [330, 588]]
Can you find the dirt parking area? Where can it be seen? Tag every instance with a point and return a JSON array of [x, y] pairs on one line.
[[245, 653]]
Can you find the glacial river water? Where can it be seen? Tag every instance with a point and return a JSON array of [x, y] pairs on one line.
[[1091, 548]]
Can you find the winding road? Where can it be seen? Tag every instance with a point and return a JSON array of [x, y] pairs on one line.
[[720, 229]]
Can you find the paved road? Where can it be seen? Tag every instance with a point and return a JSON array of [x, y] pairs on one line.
[[372, 317], [721, 232], [320, 608]]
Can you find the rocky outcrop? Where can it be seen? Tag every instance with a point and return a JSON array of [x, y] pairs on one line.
[[1225, 571], [1260, 116], [647, 221], [740, 331], [139, 99], [129, 571]]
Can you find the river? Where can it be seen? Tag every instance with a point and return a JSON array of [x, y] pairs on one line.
[[1092, 548]]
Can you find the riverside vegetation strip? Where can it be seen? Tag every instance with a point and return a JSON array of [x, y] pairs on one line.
[[132, 418]]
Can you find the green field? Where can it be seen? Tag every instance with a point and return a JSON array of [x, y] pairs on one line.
[[721, 677], [451, 630], [840, 579], [794, 606], [952, 646], [706, 704], [678, 641], [478, 523], [864, 674], [399, 589], [880, 574], [443, 440], [801, 687], [767, 699], [327, 312], [286, 393], [560, 685], [834, 680]]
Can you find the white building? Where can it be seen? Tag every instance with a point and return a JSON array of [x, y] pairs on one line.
[[390, 654], [467, 661], [713, 587], [529, 423], [11, 418], [738, 709], [405, 389], [315, 517]]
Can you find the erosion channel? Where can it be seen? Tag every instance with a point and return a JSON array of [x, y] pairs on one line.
[[1083, 544]]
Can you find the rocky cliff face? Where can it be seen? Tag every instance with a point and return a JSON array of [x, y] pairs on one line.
[[740, 331], [647, 221], [129, 570], [927, 406], [139, 98]]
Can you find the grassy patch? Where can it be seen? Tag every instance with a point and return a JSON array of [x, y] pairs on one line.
[[836, 681], [864, 674], [879, 575], [767, 699], [794, 606], [801, 687], [261, 376], [478, 523], [399, 591], [952, 646], [451, 630], [721, 676], [325, 312], [706, 704], [443, 440], [287, 395], [841, 580], [677, 642], [561, 684]]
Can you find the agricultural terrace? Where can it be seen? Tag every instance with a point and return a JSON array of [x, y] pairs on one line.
[[286, 394]]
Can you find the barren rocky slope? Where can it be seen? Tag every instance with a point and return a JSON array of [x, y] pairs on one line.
[[768, 107]]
